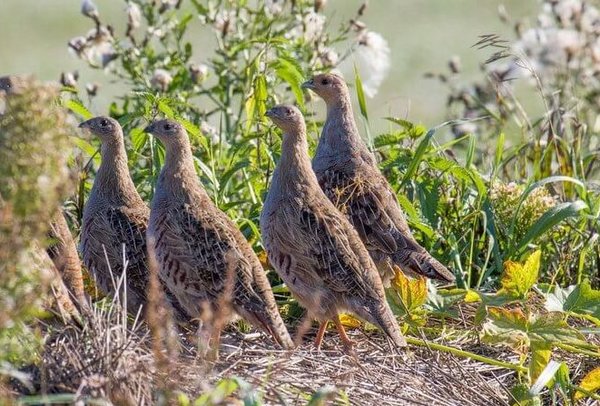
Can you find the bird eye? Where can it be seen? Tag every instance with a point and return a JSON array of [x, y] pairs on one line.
[[168, 126], [324, 81], [288, 112], [103, 122]]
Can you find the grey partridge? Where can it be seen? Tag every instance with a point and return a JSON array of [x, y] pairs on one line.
[[115, 220], [313, 247], [203, 257], [348, 174]]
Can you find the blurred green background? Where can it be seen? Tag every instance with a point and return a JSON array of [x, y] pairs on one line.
[[422, 34]]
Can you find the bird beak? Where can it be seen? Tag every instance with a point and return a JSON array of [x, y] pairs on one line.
[[270, 113], [309, 84], [85, 124], [149, 129]]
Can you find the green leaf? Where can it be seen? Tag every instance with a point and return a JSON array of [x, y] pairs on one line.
[[138, 138], [218, 395], [418, 156], [553, 328], [360, 93], [522, 397], [563, 379], [250, 108], [584, 300], [78, 108], [261, 95], [518, 279], [288, 71], [548, 220], [164, 108]]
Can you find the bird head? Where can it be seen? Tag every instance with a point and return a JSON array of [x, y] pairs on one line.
[[286, 117], [327, 85], [165, 130], [103, 127]]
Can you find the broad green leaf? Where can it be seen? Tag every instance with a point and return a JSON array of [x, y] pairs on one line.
[[442, 302], [288, 71], [584, 300], [164, 108], [78, 108], [563, 379], [518, 279], [522, 397], [590, 382], [553, 328], [138, 138]]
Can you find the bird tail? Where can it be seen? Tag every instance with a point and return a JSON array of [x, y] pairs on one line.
[[381, 315], [422, 263], [269, 320]]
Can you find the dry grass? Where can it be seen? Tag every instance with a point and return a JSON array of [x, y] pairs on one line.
[[375, 375]]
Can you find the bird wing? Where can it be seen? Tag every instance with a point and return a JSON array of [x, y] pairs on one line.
[[119, 235], [372, 208], [197, 251], [318, 242]]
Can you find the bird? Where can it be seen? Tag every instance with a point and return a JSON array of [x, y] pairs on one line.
[[63, 253], [313, 247], [348, 174], [203, 257], [114, 225]]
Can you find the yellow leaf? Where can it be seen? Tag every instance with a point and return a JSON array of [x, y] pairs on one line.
[[590, 382], [349, 321], [540, 356], [518, 279], [264, 260], [472, 297], [412, 292]]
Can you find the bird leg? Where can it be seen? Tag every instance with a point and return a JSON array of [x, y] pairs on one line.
[[320, 334], [348, 344]]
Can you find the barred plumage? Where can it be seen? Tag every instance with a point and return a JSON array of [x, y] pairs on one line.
[[203, 257], [348, 174], [312, 245]]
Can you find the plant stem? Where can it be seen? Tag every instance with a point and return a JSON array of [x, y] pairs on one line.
[[571, 348], [466, 354]]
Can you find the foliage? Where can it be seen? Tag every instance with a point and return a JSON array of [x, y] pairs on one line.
[[34, 146]]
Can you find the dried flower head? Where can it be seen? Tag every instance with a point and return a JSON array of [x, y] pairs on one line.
[[134, 15], [372, 57], [89, 9], [161, 79], [198, 72]]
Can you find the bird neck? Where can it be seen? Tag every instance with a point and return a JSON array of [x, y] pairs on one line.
[[340, 136], [294, 168], [113, 179], [178, 177]]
